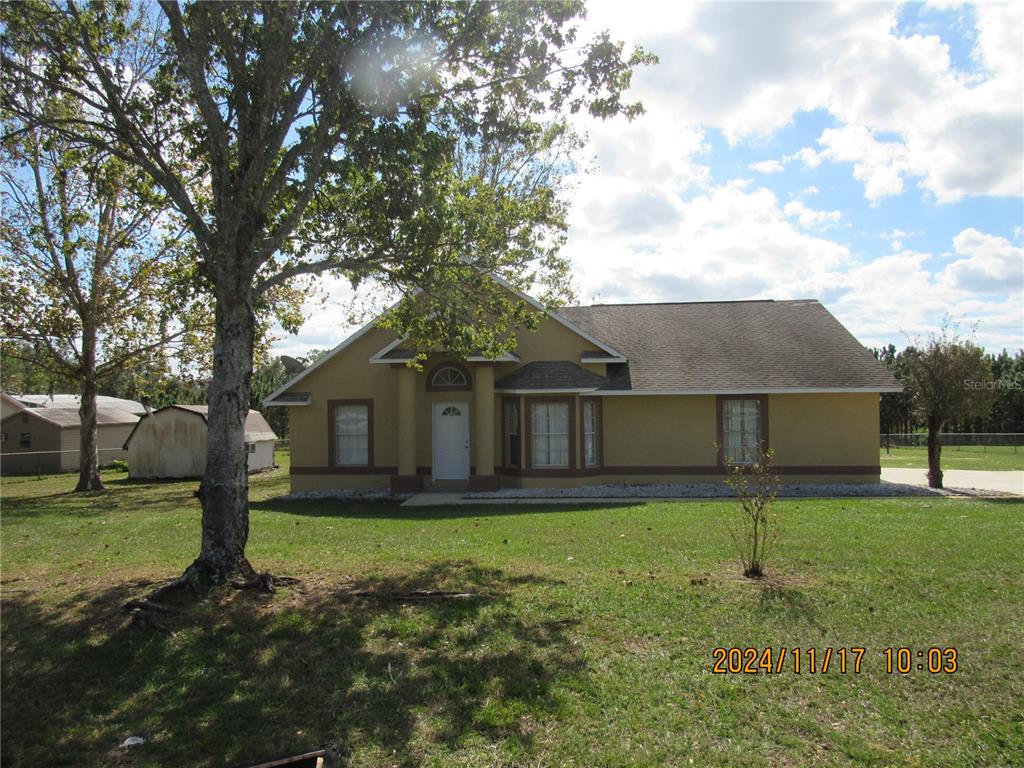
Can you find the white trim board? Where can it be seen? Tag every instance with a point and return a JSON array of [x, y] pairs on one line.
[[750, 391]]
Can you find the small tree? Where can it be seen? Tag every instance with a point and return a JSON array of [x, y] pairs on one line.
[[91, 279], [949, 378], [753, 526]]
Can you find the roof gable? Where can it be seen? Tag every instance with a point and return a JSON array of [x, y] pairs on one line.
[[602, 346]]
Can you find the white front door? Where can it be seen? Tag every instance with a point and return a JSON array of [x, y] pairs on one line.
[[451, 441]]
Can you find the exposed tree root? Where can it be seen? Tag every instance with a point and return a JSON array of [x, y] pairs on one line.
[[192, 586], [265, 582]]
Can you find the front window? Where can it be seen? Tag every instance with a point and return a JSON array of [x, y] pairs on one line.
[[449, 377], [741, 430], [351, 435], [551, 435], [590, 426], [512, 444], [26, 440]]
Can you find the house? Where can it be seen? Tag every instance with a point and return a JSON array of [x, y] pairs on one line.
[[44, 440], [636, 393], [171, 442]]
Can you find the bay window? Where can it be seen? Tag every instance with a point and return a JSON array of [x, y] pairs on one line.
[[512, 444], [550, 442], [591, 434]]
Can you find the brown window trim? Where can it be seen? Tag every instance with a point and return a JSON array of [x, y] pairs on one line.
[[720, 422], [504, 432], [598, 434], [528, 436], [331, 442], [431, 387]]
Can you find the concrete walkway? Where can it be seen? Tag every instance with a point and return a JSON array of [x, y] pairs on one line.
[[1007, 481]]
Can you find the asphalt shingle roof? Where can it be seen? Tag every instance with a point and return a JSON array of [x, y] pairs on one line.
[[546, 375], [730, 345]]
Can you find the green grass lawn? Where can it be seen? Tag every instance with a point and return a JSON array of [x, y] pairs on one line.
[[593, 646], [957, 457]]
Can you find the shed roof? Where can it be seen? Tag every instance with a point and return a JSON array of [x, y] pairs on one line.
[[256, 427], [51, 402], [67, 418]]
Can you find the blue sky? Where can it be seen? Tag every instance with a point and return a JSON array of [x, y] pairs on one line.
[[869, 155]]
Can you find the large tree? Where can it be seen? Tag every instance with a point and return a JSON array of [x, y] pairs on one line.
[[90, 279], [948, 378], [326, 134]]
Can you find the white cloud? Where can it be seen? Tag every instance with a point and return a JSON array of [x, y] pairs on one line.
[[991, 264], [810, 218], [958, 134], [767, 166], [881, 165], [808, 156], [732, 241]]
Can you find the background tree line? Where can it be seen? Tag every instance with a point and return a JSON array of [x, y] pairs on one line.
[[1006, 388]]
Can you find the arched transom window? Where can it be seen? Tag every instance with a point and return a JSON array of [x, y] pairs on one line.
[[449, 377]]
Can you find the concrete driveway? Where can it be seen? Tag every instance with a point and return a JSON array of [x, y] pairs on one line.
[[1007, 481]]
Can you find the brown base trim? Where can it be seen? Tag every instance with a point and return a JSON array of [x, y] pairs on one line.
[[484, 483], [343, 471], [428, 470], [406, 483], [710, 469], [844, 469]]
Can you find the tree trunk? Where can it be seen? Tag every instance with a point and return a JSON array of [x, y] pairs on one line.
[[934, 453], [89, 460], [224, 490]]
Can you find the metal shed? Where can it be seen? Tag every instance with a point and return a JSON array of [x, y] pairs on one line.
[[171, 442]]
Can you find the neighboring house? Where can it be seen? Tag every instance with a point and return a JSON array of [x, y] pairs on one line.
[[171, 442], [43, 440], [635, 393], [74, 401]]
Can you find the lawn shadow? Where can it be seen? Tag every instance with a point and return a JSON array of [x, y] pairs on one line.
[[246, 677], [361, 509], [790, 601]]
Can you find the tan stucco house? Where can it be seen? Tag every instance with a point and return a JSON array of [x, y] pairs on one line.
[[636, 393], [171, 442]]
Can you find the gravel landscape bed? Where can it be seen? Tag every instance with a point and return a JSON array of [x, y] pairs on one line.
[[366, 495], [715, 490]]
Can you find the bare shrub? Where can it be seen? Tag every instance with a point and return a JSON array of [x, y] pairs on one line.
[[753, 526]]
